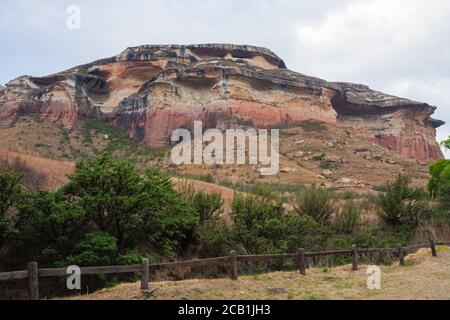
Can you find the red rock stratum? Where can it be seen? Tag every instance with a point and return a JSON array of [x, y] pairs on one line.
[[151, 90]]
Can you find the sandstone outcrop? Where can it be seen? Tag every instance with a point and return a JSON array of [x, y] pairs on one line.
[[151, 90]]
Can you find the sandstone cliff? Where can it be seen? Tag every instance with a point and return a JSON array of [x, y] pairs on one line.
[[151, 90]]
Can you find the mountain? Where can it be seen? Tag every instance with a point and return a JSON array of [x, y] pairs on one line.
[[151, 90]]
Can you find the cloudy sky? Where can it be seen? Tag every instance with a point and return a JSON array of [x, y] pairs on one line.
[[400, 47]]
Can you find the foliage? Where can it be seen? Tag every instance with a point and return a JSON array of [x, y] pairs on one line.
[[439, 185], [96, 249], [316, 203], [401, 204], [446, 144], [112, 213], [216, 238], [253, 218], [348, 220], [133, 257], [129, 205], [208, 206], [261, 225], [10, 195], [319, 157], [50, 225]]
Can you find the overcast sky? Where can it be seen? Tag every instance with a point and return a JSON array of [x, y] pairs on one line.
[[401, 47]]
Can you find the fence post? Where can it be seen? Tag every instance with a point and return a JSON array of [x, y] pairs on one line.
[[145, 274], [234, 265], [401, 255], [33, 280], [354, 258], [301, 261], [433, 248]]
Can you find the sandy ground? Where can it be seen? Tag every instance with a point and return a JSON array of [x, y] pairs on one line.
[[423, 277]]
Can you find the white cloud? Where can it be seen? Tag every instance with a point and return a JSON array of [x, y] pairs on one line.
[[396, 46], [366, 35]]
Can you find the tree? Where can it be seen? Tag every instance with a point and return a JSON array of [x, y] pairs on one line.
[[439, 185], [96, 248], [446, 144], [10, 196], [401, 203], [50, 225], [129, 205]]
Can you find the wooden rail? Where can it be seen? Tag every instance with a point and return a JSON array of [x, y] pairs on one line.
[[33, 273]]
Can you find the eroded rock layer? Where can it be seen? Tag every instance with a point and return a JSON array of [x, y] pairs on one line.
[[149, 91]]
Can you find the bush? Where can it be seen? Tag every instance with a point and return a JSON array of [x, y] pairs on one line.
[[254, 220], [401, 204], [316, 203], [96, 249], [107, 204], [348, 220], [262, 226], [216, 238], [208, 206], [133, 257], [10, 196], [439, 185], [131, 206], [50, 226]]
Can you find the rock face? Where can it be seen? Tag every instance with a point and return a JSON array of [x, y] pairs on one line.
[[151, 90]]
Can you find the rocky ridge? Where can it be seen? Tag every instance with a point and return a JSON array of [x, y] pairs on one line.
[[151, 90]]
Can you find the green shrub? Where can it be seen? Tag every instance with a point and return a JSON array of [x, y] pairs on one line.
[[316, 203], [133, 257], [328, 165], [262, 226], [254, 220], [96, 249], [216, 238], [401, 204], [439, 185], [131, 206], [348, 220], [10, 195], [208, 206], [51, 225], [319, 157]]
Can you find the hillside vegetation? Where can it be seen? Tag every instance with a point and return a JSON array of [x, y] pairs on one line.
[[110, 211]]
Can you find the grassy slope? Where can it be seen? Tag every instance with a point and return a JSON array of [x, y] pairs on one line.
[[315, 141], [424, 277]]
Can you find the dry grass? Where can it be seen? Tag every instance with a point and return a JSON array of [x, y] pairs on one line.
[[48, 140], [227, 193], [364, 173], [424, 277], [54, 172]]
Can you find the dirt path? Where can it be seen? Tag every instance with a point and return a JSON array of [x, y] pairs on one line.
[[424, 277]]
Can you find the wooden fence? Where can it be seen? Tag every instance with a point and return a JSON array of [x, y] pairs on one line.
[[33, 273]]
